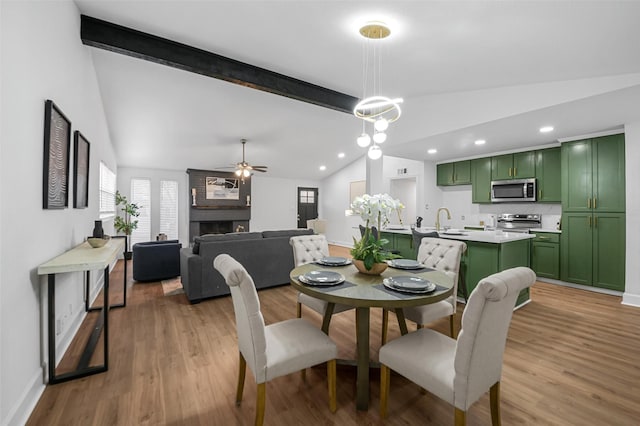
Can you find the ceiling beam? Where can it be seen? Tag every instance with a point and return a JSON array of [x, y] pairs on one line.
[[116, 38]]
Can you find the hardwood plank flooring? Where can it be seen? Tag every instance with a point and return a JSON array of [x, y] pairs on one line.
[[572, 358]]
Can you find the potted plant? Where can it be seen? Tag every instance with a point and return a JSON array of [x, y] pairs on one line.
[[368, 253], [125, 223]]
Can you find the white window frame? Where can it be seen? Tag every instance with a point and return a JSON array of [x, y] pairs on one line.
[[107, 192], [169, 209]]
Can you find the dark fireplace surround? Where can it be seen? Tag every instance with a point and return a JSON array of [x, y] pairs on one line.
[[217, 216]]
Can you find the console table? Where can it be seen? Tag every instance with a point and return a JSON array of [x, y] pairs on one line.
[[82, 258]]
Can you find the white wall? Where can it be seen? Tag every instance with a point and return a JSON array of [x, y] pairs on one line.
[[632, 154], [340, 228], [274, 202], [410, 169], [124, 176], [42, 58]]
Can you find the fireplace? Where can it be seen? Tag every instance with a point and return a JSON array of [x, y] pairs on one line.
[[216, 227]]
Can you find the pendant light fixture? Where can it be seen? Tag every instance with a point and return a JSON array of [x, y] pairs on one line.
[[376, 109]]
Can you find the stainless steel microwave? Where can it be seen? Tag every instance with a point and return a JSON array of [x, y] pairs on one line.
[[513, 190]]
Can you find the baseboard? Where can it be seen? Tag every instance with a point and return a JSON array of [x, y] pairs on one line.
[[631, 299], [581, 287], [19, 414]]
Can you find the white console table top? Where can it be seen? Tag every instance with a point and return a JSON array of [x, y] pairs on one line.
[[84, 258]]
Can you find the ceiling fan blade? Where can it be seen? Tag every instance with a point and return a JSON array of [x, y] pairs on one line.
[[259, 170], [259, 167]]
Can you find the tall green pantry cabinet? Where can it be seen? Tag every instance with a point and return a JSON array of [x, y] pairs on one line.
[[593, 212]]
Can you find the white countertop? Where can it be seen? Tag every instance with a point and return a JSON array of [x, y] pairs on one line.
[[552, 231], [468, 235]]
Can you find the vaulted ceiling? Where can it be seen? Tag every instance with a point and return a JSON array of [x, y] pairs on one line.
[[466, 70]]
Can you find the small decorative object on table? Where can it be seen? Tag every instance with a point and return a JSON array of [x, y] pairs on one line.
[[98, 232], [98, 242], [368, 253]]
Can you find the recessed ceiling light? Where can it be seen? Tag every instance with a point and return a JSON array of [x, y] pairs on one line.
[[432, 151], [480, 142], [546, 129], [323, 168], [341, 155]]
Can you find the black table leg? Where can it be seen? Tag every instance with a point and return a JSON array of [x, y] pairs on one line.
[[362, 380]]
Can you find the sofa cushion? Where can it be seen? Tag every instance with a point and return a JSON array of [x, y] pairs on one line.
[[232, 236], [287, 233]]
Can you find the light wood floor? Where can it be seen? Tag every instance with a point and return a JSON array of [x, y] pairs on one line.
[[572, 358]]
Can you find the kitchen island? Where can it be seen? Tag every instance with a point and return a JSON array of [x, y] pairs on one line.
[[487, 252]]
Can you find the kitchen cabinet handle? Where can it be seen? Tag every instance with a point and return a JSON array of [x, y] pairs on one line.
[[515, 171], [588, 203], [543, 238], [594, 202], [509, 171]]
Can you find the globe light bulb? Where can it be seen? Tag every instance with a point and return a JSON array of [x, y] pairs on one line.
[[381, 124], [246, 173], [375, 152], [380, 137], [364, 140], [238, 172]]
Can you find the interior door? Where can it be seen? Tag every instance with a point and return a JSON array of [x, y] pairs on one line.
[[307, 205]]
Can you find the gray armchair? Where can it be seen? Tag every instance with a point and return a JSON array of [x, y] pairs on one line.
[[156, 260]]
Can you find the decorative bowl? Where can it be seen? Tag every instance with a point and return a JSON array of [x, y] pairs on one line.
[[97, 242], [376, 269]]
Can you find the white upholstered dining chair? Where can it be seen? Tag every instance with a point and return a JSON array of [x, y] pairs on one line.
[[308, 249], [277, 349], [442, 255], [461, 371]]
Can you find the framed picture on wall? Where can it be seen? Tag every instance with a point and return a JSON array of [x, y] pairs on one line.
[[57, 142], [80, 171]]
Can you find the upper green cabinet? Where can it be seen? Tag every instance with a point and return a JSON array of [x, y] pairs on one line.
[[481, 180], [520, 165], [593, 175], [548, 174], [458, 173]]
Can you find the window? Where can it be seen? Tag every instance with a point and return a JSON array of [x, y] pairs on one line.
[[107, 192], [141, 195], [307, 197], [169, 208]]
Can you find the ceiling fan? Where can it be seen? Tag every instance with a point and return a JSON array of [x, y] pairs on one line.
[[244, 169]]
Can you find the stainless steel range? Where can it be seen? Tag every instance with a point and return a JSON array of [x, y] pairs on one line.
[[519, 222]]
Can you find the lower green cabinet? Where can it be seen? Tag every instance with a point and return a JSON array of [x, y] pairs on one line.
[[545, 255], [402, 243], [484, 259], [593, 249]]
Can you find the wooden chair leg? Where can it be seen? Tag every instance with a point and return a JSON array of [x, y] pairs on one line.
[[452, 326], [242, 369], [260, 403], [299, 310], [385, 325], [331, 380], [494, 398], [460, 417], [385, 374]]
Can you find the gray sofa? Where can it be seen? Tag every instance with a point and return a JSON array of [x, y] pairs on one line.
[[267, 256]]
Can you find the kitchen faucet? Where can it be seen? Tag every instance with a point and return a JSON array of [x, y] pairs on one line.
[[438, 216]]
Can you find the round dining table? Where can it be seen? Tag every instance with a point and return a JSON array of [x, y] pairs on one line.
[[364, 292]]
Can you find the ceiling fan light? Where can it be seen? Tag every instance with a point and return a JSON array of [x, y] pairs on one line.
[[364, 140], [375, 152], [381, 124], [238, 172], [380, 137], [246, 173]]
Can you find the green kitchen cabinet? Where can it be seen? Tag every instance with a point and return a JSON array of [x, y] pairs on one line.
[[593, 249], [481, 180], [545, 255], [484, 259], [402, 243], [593, 175], [548, 175], [457, 173], [520, 165]]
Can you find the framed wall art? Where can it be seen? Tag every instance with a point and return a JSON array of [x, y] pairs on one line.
[[57, 142], [80, 171]]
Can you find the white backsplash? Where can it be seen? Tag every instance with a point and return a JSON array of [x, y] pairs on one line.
[[465, 213]]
